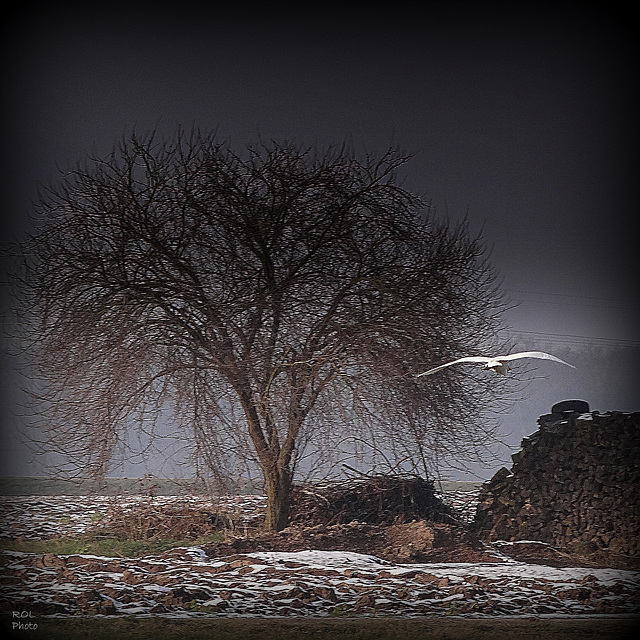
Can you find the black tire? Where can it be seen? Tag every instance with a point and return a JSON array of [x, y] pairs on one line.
[[570, 406]]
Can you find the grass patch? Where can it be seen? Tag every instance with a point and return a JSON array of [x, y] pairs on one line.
[[327, 629], [105, 546], [144, 529]]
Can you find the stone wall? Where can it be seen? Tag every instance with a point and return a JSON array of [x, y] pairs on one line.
[[575, 484]]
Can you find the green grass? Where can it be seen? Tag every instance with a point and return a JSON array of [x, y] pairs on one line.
[[103, 546], [325, 629]]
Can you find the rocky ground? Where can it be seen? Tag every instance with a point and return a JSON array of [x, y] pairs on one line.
[[356, 568], [188, 581]]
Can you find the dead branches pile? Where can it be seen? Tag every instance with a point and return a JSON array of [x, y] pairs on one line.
[[147, 520], [378, 499]]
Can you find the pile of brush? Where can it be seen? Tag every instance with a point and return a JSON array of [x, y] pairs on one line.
[[148, 520], [376, 499]]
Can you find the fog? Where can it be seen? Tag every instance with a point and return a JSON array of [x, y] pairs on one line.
[[523, 123]]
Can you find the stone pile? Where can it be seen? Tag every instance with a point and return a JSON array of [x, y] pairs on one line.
[[573, 485]]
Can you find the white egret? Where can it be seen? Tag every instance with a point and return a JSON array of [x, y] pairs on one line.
[[498, 363]]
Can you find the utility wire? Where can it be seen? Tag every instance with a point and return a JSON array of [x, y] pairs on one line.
[[621, 303], [569, 295], [572, 339]]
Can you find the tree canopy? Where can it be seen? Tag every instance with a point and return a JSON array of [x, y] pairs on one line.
[[277, 302]]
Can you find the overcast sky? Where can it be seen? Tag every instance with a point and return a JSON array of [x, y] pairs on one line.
[[526, 119]]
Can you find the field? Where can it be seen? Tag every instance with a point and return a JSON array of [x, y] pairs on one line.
[[41, 486], [135, 566], [327, 629]]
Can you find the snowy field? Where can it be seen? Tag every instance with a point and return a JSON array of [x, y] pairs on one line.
[[185, 582], [42, 517]]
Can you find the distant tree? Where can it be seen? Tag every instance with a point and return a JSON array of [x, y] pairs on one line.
[[270, 300]]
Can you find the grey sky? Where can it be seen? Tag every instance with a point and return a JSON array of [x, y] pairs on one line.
[[524, 118]]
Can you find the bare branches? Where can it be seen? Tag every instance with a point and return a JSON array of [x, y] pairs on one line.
[[288, 290]]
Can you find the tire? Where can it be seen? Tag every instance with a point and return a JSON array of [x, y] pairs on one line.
[[570, 406]]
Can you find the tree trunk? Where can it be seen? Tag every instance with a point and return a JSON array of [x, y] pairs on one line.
[[278, 485]]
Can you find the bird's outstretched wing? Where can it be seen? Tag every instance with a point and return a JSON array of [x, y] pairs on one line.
[[533, 354], [467, 359]]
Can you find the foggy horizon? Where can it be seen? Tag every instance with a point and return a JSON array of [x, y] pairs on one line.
[[523, 123]]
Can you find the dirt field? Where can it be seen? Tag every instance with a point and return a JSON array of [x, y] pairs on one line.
[[406, 580], [324, 629]]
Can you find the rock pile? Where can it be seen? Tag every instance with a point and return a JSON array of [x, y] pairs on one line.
[[574, 484]]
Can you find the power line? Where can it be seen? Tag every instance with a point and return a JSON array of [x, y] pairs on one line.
[[627, 303], [571, 295], [573, 339]]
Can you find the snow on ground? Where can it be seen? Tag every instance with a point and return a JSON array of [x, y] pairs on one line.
[[43, 517], [186, 582], [465, 502]]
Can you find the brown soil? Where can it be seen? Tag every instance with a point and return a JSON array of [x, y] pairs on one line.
[[534, 553], [327, 628], [418, 541]]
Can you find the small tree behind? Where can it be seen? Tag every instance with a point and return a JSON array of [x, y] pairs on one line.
[[266, 299]]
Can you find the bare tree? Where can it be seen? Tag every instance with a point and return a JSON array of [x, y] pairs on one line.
[[270, 300]]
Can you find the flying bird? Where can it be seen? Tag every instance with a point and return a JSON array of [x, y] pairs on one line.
[[498, 363]]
